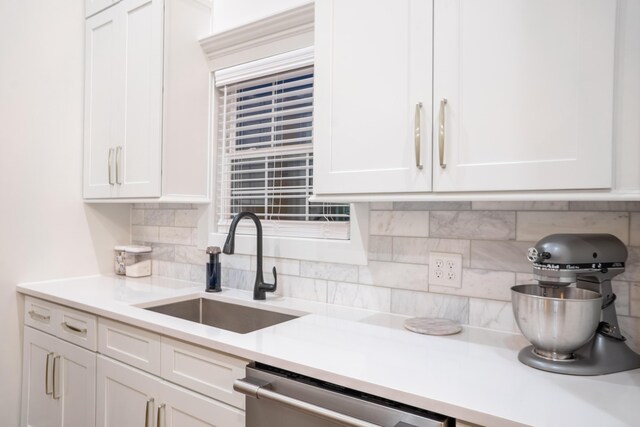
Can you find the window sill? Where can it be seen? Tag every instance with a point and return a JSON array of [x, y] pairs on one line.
[[353, 251]]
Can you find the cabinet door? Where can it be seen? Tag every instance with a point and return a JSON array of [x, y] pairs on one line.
[[78, 385], [91, 7], [124, 395], [529, 89], [373, 67], [39, 408], [102, 82], [139, 142], [184, 408]]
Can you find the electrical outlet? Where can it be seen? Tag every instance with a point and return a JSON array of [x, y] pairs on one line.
[[445, 269]]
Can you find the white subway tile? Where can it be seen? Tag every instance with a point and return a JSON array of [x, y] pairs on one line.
[[604, 206], [494, 225], [634, 238], [359, 296], [380, 248], [198, 274], [190, 255], [159, 217], [416, 249], [490, 314], [329, 271], [236, 262], [178, 235], [481, 284], [302, 288], [170, 269], [137, 217], [397, 223], [502, 255], [630, 327], [145, 233], [394, 275], [621, 290], [532, 226], [520, 206], [290, 267], [525, 279], [238, 279], [186, 218], [634, 299], [424, 304], [432, 206], [163, 251]]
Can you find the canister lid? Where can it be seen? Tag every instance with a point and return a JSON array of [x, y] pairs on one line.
[[133, 249]]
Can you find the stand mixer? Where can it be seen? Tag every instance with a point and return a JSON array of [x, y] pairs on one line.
[[574, 330]]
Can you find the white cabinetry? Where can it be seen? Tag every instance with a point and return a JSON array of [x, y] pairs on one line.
[[59, 382], [371, 74], [528, 88], [126, 396], [146, 101]]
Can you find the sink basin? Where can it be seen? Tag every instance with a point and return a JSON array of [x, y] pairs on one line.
[[231, 317]]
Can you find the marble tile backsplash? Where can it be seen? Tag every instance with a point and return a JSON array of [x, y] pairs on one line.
[[492, 238]]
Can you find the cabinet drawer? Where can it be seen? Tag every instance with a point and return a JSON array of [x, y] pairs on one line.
[[40, 315], [66, 323], [78, 327], [133, 346], [205, 371]]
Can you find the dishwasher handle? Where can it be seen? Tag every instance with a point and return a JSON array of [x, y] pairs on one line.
[[259, 389]]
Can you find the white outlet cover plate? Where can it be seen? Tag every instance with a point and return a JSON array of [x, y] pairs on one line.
[[445, 269]]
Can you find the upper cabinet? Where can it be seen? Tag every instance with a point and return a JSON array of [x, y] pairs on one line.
[[146, 102], [515, 95], [523, 94], [372, 124]]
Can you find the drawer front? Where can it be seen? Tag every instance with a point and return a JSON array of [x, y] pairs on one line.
[[205, 371], [40, 315], [128, 344], [78, 328]]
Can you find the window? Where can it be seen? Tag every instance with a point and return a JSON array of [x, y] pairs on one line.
[[265, 157]]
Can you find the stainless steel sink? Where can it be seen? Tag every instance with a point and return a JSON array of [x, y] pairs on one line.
[[232, 317]]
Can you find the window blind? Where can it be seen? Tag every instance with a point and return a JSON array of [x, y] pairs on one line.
[[265, 158]]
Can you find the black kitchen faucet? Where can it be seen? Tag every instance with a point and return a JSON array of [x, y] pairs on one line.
[[260, 287]]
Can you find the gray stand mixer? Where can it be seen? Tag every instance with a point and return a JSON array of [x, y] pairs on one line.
[[574, 330]]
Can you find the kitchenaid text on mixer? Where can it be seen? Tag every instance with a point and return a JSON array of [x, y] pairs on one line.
[[574, 329]]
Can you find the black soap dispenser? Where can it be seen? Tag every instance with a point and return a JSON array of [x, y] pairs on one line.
[[214, 272]]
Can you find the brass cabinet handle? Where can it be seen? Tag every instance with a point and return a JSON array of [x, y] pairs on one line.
[[118, 156], [148, 412], [110, 166], [46, 374], [56, 377], [160, 408], [443, 103], [37, 316], [74, 328], [417, 136]]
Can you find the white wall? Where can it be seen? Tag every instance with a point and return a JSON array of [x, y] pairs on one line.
[[45, 229]]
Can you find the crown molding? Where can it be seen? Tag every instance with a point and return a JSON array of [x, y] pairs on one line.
[[275, 28]]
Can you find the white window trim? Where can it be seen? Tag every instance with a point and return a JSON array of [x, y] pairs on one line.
[[294, 32]]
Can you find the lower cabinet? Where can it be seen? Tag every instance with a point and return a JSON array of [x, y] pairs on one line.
[[129, 397], [58, 382]]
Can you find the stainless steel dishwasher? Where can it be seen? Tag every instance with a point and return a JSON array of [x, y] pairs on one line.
[[279, 398]]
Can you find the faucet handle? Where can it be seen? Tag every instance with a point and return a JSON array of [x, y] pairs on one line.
[[275, 279], [213, 250]]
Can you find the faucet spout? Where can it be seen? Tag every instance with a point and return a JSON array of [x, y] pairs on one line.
[[260, 287]]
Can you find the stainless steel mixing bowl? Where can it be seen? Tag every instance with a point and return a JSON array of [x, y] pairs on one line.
[[556, 320]]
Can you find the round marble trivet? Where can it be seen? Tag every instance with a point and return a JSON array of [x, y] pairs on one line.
[[432, 326]]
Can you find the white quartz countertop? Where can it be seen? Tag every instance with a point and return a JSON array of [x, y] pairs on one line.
[[474, 376]]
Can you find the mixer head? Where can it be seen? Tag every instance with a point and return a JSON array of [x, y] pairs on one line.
[[559, 259]]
